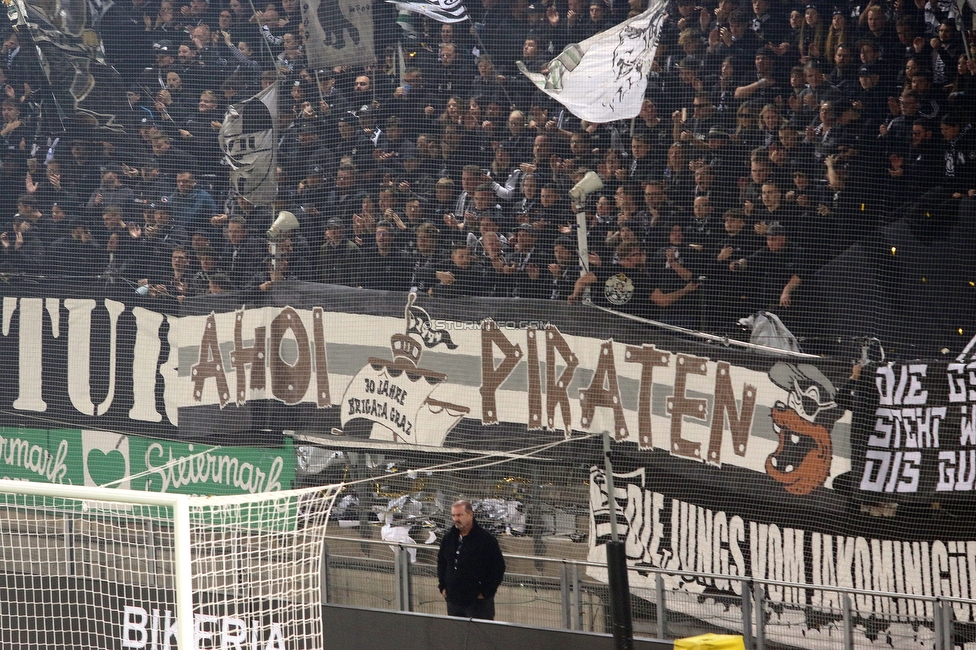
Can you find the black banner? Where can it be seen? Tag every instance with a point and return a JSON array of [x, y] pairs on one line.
[[916, 435]]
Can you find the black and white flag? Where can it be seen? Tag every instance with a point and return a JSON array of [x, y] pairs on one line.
[[418, 322], [443, 11], [340, 32], [71, 59], [603, 78], [248, 140]]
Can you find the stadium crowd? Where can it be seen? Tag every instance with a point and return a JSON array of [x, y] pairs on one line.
[[772, 136]]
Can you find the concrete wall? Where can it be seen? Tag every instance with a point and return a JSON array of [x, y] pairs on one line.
[[350, 628]]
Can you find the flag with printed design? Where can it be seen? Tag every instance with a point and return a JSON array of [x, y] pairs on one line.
[[69, 53], [443, 11], [419, 323], [603, 78], [340, 33], [248, 138]]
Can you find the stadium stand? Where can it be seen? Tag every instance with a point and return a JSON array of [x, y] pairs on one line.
[[806, 161]]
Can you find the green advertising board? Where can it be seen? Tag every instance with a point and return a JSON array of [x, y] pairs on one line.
[[99, 458]]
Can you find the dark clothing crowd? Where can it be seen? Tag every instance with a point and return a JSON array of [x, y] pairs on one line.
[[772, 137]]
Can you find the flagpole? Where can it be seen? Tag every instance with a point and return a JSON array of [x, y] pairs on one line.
[[617, 578], [161, 110], [373, 79], [961, 27], [401, 62], [254, 12], [274, 123], [318, 85]]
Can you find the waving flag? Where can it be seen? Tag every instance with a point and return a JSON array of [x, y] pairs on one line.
[[340, 32], [443, 11], [418, 322], [86, 90], [603, 79], [248, 137]]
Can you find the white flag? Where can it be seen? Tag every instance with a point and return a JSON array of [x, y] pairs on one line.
[[248, 139], [340, 32], [603, 79], [443, 11]]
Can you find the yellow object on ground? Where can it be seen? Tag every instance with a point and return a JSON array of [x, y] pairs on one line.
[[711, 642]]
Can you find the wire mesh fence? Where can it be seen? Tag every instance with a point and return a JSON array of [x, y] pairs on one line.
[[559, 593], [211, 214]]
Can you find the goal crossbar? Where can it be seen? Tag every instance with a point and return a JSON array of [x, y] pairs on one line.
[[202, 533]]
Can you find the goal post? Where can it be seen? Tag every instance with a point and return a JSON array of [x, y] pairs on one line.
[[97, 568]]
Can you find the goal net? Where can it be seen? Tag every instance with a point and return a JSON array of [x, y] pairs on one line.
[[99, 569]]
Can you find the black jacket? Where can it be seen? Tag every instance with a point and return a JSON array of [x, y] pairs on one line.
[[478, 569]]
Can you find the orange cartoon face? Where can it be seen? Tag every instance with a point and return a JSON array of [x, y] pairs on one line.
[[801, 461]]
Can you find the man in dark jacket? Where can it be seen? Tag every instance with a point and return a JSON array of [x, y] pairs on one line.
[[340, 259], [470, 566]]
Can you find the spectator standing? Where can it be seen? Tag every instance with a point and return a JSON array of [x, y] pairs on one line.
[[923, 162], [243, 255], [725, 288], [621, 284], [385, 266], [776, 270], [459, 275], [530, 262], [449, 78], [20, 250], [111, 192], [199, 132], [75, 256], [470, 566], [425, 258], [191, 208], [675, 290], [959, 155], [340, 259]]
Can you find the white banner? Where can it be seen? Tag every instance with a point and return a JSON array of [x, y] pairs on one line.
[[340, 32], [603, 79], [248, 139], [782, 422]]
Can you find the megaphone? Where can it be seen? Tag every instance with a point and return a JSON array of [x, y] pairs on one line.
[[588, 184], [286, 222]]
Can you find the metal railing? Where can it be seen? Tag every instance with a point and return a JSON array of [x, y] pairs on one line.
[[560, 593]]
